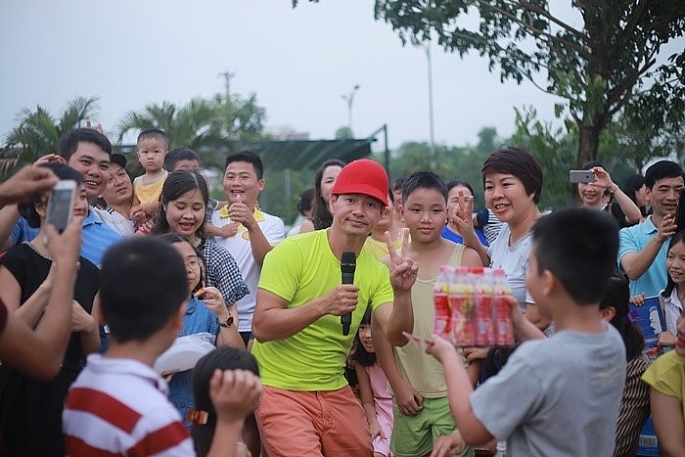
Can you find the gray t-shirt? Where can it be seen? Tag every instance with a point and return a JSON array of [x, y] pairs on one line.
[[558, 396], [514, 261]]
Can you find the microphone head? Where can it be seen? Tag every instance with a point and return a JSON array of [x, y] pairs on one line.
[[348, 262]]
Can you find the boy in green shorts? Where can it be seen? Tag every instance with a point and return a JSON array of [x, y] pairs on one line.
[[422, 418]]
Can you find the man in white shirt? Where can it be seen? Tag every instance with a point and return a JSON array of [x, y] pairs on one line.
[[247, 232]]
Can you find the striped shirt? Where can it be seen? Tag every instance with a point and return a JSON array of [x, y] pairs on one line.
[[120, 407], [634, 407]]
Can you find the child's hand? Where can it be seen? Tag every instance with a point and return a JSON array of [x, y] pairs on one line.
[[234, 394], [138, 214], [517, 317], [447, 445], [409, 400], [229, 230], [150, 209], [439, 348], [212, 298], [403, 270], [638, 300], [375, 429], [667, 339], [473, 353]]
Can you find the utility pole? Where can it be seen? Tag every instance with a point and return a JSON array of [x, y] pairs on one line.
[[227, 77]]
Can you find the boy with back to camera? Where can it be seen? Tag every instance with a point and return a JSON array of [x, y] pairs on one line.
[[152, 147], [422, 419], [119, 405], [558, 396]]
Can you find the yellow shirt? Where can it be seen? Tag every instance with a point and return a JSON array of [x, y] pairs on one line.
[[667, 375], [149, 192]]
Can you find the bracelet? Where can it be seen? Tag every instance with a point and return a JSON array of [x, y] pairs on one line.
[[613, 191]]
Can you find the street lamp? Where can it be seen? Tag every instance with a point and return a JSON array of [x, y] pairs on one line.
[[433, 158], [350, 100]]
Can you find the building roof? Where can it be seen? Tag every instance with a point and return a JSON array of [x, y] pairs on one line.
[[308, 154], [293, 154]]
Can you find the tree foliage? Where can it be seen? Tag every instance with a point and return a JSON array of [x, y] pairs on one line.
[[607, 63], [38, 132], [209, 126], [452, 162], [554, 148]]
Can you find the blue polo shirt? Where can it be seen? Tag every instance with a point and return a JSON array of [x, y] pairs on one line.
[[97, 236], [634, 239]]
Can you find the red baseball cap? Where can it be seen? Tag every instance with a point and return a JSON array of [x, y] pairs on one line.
[[363, 176]]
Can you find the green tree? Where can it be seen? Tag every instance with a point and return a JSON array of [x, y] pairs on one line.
[[554, 149], [451, 163], [344, 133], [488, 140], [606, 64], [209, 126], [634, 145], [38, 132]]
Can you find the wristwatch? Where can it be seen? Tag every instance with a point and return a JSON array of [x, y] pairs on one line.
[[227, 323]]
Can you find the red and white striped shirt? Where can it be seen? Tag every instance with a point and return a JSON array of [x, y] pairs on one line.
[[120, 407]]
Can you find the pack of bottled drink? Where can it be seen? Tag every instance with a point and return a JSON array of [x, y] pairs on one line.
[[472, 306]]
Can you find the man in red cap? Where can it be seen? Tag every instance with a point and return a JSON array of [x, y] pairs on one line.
[[307, 407]]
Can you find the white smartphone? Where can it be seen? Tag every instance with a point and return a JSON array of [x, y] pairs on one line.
[[581, 176], [61, 204]]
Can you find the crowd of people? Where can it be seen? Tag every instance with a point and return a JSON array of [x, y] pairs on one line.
[[309, 364]]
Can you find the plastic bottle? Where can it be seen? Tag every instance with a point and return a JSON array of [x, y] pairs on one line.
[[504, 330], [482, 311], [501, 449], [442, 324], [461, 298]]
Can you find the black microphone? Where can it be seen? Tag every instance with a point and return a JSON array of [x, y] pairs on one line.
[[348, 263]]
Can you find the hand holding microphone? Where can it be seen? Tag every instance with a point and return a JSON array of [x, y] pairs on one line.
[[348, 263]]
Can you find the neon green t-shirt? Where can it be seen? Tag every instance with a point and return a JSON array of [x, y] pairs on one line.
[[300, 269]]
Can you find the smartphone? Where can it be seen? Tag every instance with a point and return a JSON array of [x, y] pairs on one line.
[[581, 176], [680, 212], [61, 204]]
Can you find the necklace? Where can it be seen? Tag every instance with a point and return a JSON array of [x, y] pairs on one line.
[[35, 249]]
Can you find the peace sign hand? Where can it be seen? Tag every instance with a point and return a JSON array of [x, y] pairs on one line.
[[403, 270]]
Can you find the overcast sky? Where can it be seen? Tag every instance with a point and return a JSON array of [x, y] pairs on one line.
[[299, 62]]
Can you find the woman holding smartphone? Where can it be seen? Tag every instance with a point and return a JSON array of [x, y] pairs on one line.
[[31, 410], [603, 194]]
